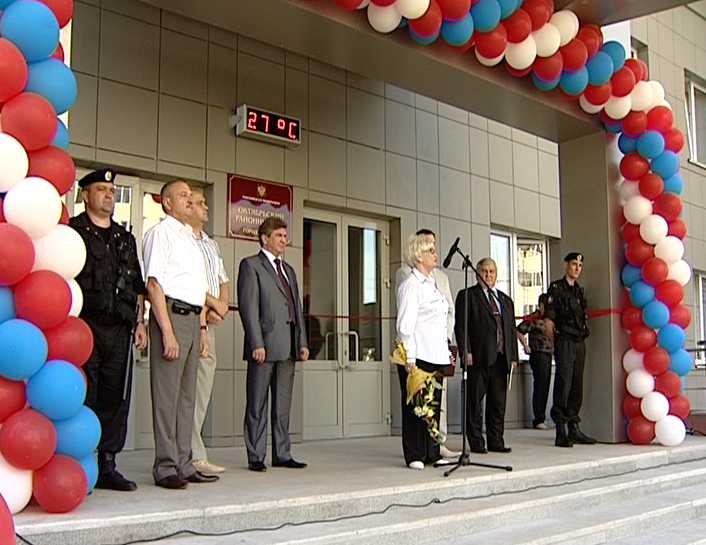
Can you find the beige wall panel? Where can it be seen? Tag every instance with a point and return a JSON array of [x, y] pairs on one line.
[[366, 118], [401, 181], [327, 164], [366, 173], [182, 131]]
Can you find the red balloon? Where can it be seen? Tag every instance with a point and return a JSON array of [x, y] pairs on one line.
[[58, 53], [382, 2], [645, 69], [654, 271], [27, 439], [631, 232], [631, 406], [660, 118], [680, 406], [633, 166], [641, 431], [16, 254], [491, 44], [349, 5], [680, 315], [43, 298], [428, 24], [7, 525], [651, 186], [539, 11], [549, 68], [13, 70], [61, 485], [668, 383], [623, 82], [30, 119], [631, 318], [674, 140], [677, 228], [642, 338], [70, 341], [668, 205], [670, 292], [54, 165], [597, 94], [635, 123], [2, 213], [519, 26], [517, 73], [12, 397], [656, 360], [625, 298], [638, 251], [620, 217], [574, 55], [454, 10], [592, 37], [63, 10], [64, 219], [634, 66]]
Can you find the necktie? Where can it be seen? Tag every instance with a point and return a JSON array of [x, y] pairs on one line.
[[499, 337], [287, 289]]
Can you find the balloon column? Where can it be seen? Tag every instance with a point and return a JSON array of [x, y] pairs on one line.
[[557, 52], [47, 436]]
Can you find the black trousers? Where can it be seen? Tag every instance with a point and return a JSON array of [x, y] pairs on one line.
[[109, 376], [570, 357], [488, 382], [541, 364], [417, 444]]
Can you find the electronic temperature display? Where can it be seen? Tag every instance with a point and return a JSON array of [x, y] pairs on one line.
[[267, 126]]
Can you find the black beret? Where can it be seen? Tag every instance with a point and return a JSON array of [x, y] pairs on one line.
[[105, 175], [574, 256]]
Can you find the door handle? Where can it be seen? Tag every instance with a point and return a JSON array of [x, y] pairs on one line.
[[326, 338], [356, 345]]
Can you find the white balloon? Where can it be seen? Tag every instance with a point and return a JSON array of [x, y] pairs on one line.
[[670, 431], [618, 107], [567, 24], [654, 406], [640, 383], [670, 249], [383, 18], [521, 55], [15, 486], [411, 9], [485, 61], [14, 161], [632, 359], [641, 97], [363, 4], [33, 205], [589, 108], [76, 297], [637, 208], [680, 271], [61, 250], [548, 40], [665, 104], [657, 93], [653, 229], [629, 189]]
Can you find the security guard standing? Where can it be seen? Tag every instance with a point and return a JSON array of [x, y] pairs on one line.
[[113, 302], [567, 310]]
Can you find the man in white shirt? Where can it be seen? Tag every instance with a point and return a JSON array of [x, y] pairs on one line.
[[177, 286]]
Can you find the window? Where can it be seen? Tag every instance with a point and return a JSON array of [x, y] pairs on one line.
[[696, 118], [638, 50], [501, 253], [700, 357]]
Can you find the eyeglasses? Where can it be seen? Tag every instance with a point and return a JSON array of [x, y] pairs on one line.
[[431, 251]]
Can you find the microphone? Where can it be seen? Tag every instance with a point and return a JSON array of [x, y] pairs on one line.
[[452, 251]]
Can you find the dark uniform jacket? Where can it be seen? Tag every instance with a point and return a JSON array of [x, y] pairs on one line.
[[567, 309]]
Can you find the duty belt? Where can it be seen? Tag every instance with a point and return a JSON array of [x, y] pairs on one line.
[[182, 307]]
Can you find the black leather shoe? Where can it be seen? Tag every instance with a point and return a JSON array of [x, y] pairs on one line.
[[576, 436], [500, 449], [562, 438], [173, 482], [291, 463], [113, 480], [479, 450], [198, 477], [257, 466]]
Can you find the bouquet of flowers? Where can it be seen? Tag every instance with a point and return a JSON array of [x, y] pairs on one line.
[[420, 392]]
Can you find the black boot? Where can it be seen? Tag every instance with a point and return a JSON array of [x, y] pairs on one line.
[[562, 439], [578, 437], [109, 477]]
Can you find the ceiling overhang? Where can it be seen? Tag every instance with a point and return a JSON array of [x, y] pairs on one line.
[[605, 12]]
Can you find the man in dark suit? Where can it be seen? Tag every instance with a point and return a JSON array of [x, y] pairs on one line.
[[492, 351], [271, 313]]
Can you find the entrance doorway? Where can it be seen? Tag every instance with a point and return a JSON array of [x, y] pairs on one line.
[[346, 292]]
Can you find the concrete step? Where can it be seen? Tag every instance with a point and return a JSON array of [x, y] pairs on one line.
[[691, 532]]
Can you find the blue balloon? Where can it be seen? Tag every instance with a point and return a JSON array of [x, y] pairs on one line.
[[61, 138], [615, 128], [57, 390], [630, 275], [5, 3], [78, 435], [23, 349], [422, 40], [675, 184], [7, 304], [600, 68], [543, 85], [457, 33], [486, 15], [32, 27], [650, 144], [616, 52], [627, 144], [54, 81], [507, 8], [680, 362], [655, 314], [574, 83], [90, 468], [665, 165], [641, 294], [671, 337]]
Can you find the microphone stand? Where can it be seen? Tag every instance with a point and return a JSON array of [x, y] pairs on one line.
[[465, 458]]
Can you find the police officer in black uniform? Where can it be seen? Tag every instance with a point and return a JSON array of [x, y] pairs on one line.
[[113, 301], [567, 310]]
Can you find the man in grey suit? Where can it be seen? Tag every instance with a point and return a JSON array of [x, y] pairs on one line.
[[271, 313]]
